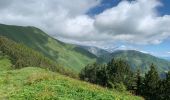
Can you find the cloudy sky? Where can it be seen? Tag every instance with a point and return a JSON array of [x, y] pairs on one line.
[[127, 24]]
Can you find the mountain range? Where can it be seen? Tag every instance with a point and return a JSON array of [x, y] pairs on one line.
[[75, 56], [136, 59]]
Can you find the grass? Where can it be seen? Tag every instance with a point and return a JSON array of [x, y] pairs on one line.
[[4, 63], [38, 84]]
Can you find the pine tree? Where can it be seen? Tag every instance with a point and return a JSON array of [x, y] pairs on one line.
[[119, 71], [139, 83], [167, 87], [94, 73], [151, 83]]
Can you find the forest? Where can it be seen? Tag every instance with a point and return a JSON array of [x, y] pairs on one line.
[[117, 74]]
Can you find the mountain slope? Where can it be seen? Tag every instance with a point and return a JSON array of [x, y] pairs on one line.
[[141, 60], [166, 58], [96, 51], [33, 83], [67, 55], [103, 55]]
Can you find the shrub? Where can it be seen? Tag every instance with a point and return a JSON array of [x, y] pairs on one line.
[[37, 77], [120, 87]]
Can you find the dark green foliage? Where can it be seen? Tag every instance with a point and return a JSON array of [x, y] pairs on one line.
[[151, 83], [119, 71], [167, 87], [116, 74], [22, 56], [152, 87], [139, 83], [164, 88], [119, 86], [94, 73]]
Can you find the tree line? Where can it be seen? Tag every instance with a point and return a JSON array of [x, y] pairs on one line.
[[22, 56], [117, 74]]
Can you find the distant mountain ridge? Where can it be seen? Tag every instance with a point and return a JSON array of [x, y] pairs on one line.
[[141, 60], [134, 57], [67, 55], [166, 58], [96, 51]]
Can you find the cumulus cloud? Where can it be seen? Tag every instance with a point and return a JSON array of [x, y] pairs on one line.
[[135, 22]]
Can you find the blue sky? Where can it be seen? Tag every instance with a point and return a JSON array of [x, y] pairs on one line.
[[163, 10], [161, 50], [103, 6]]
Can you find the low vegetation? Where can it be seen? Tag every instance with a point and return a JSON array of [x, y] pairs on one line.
[[33, 83]]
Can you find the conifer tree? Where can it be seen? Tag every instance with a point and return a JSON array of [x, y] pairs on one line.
[[151, 83], [119, 71], [139, 83], [167, 87]]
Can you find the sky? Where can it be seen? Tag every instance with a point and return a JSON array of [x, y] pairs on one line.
[[142, 25]]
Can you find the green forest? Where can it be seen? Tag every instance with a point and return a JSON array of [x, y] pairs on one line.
[[118, 75]]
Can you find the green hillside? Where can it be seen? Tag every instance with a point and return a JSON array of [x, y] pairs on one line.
[[65, 54], [33, 83], [141, 60]]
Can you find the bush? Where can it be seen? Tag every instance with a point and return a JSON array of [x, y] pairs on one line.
[[37, 77], [120, 87]]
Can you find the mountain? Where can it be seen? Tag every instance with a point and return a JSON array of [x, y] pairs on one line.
[[135, 58], [68, 55], [140, 60], [22, 56], [103, 55], [34, 83], [96, 51], [166, 58]]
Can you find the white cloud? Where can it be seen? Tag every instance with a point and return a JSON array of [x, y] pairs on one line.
[[134, 22], [168, 52], [40, 10]]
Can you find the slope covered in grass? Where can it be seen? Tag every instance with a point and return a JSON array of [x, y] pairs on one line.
[[33, 83], [65, 54]]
